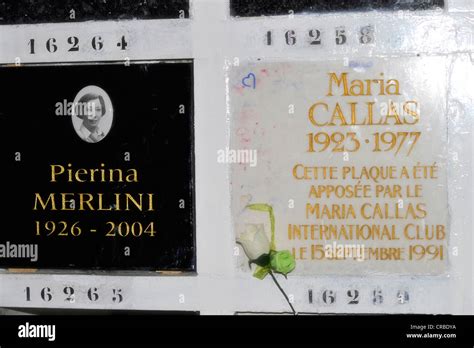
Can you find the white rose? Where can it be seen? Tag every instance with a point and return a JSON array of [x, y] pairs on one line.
[[254, 241]]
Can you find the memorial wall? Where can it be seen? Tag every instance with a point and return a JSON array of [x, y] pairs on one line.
[[236, 157]]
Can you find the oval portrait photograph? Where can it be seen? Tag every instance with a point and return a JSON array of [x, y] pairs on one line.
[[93, 114]]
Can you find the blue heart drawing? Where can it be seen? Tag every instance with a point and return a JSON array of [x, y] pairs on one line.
[[249, 81]]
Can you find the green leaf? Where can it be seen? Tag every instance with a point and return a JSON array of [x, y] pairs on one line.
[[261, 272], [269, 209], [260, 207]]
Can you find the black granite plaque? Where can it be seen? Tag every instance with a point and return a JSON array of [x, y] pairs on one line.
[[252, 8], [50, 11], [97, 166]]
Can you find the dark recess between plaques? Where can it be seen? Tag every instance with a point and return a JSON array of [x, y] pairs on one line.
[[95, 312], [254, 8], [54, 11]]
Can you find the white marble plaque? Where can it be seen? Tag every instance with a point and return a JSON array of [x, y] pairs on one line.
[[351, 155]]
